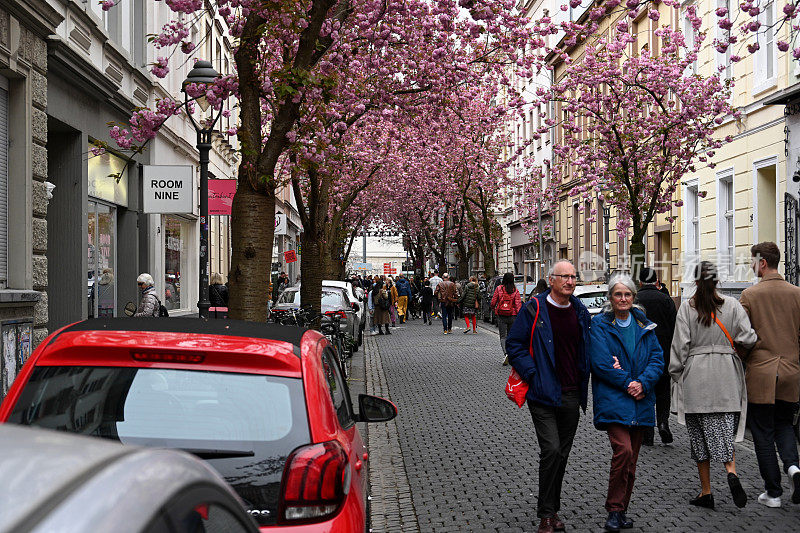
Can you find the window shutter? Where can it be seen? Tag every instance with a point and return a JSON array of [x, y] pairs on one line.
[[3, 188]]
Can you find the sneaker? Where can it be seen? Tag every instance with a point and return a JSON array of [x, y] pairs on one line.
[[466, 331], [794, 477], [769, 501]]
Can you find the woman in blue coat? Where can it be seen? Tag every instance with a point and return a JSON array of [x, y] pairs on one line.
[[626, 362]]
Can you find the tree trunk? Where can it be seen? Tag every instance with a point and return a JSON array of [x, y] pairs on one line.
[[637, 253], [464, 256], [489, 267], [252, 233], [313, 265]]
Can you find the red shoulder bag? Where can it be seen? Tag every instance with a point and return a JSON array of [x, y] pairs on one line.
[[516, 387]]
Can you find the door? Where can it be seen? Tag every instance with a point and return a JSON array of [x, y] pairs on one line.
[[663, 264], [102, 257]]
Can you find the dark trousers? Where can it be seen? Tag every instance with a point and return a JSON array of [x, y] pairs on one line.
[[555, 431], [447, 316], [771, 426], [504, 324], [625, 444], [663, 393], [426, 312]]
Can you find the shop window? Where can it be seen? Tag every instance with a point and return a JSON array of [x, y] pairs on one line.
[[176, 256], [3, 187], [101, 260]]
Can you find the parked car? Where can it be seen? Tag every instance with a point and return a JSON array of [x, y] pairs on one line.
[[334, 302], [264, 404], [355, 298], [592, 296], [54, 481]]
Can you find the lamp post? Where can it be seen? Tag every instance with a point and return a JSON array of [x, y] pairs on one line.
[[203, 74]]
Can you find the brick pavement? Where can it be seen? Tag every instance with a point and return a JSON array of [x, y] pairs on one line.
[[468, 457]]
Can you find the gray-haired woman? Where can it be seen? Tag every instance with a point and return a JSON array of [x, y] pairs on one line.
[[626, 362], [709, 390], [149, 304]]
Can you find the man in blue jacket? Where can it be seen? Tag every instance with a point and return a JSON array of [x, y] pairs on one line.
[[403, 296], [552, 359]]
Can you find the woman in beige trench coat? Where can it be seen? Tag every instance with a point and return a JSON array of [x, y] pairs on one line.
[[708, 390]]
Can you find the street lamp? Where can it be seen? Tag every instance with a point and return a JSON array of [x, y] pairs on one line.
[[203, 74]]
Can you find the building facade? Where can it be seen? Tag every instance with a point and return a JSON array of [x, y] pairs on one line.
[[99, 236], [24, 190]]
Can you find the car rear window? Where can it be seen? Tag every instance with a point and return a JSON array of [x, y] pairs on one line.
[[244, 425]]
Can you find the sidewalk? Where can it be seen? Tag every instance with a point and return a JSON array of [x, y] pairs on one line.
[[460, 457]]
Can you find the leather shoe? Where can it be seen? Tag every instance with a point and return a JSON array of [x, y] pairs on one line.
[[547, 525], [665, 433], [624, 521], [704, 500], [558, 525], [613, 522]]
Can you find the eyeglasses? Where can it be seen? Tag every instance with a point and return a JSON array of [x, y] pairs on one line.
[[566, 277]]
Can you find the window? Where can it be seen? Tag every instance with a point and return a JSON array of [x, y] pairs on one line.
[[576, 231], [725, 212], [723, 60], [339, 393], [176, 259], [766, 202], [765, 57], [3, 183], [244, 425], [692, 204], [688, 35]]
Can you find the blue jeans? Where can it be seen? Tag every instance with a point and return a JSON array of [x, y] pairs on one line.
[[447, 316]]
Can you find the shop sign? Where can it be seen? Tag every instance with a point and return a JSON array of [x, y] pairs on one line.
[[168, 189], [362, 266], [220, 196], [280, 224], [290, 256]]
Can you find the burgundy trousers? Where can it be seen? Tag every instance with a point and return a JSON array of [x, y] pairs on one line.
[[625, 443]]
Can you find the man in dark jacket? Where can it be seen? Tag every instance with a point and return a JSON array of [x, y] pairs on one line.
[[659, 309], [403, 297], [552, 359]]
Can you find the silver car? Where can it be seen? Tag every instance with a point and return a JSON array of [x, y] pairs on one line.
[[57, 481], [334, 300], [592, 296]]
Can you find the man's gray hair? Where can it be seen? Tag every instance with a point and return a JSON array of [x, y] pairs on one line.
[[552, 270], [445, 276], [627, 281]]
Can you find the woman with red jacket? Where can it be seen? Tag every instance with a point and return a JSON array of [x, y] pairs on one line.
[[506, 303]]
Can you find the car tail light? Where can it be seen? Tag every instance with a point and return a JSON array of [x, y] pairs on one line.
[[341, 314], [162, 357], [315, 482]]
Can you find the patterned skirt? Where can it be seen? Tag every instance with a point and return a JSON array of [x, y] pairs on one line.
[[711, 435]]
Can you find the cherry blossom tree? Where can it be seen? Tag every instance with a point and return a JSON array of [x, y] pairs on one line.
[[633, 127], [307, 71]]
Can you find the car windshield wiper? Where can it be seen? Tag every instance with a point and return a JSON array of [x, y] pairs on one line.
[[204, 453]]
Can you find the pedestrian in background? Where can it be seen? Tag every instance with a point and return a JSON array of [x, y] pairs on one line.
[[709, 391], [149, 304], [403, 296], [371, 309], [427, 301], [660, 309], [218, 297], [469, 301], [552, 358], [382, 301], [506, 303], [435, 281], [394, 297], [626, 362], [447, 294], [773, 372]]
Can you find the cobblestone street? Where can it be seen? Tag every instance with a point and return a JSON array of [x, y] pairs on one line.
[[461, 457]]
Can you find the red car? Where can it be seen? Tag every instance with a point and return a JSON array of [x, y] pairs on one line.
[[264, 404]]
